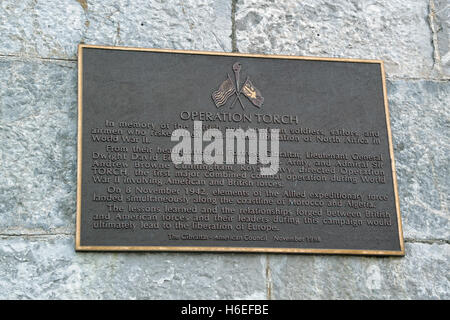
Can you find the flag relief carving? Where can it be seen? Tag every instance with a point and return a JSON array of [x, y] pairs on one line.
[[229, 88]]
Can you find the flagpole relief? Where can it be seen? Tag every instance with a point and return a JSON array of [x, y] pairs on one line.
[[228, 88]]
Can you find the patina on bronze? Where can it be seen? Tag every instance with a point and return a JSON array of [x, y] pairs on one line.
[[334, 191]]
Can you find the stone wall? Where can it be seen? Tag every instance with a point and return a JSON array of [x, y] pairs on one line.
[[38, 118]]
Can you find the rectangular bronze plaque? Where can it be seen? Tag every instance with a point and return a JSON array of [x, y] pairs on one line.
[[206, 151]]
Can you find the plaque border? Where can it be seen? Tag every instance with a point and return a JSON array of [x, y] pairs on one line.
[[79, 247]]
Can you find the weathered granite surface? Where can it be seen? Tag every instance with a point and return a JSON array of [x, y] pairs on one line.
[[421, 274], [53, 29], [392, 31], [420, 118], [440, 18], [38, 125], [38, 119], [48, 268]]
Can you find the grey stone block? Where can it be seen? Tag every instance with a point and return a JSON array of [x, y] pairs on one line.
[[422, 274], [442, 20], [49, 268], [393, 31], [195, 25], [420, 119], [53, 29], [38, 119], [49, 29]]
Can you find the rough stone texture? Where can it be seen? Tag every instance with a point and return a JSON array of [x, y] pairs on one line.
[[421, 274], [38, 119], [392, 31], [420, 119], [41, 28], [442, 22], [53, 29], [48, 268]]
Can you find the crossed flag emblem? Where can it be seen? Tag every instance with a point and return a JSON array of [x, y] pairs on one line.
[[228, 88]]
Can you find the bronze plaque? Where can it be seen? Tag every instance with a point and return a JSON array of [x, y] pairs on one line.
[[206, 151]]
